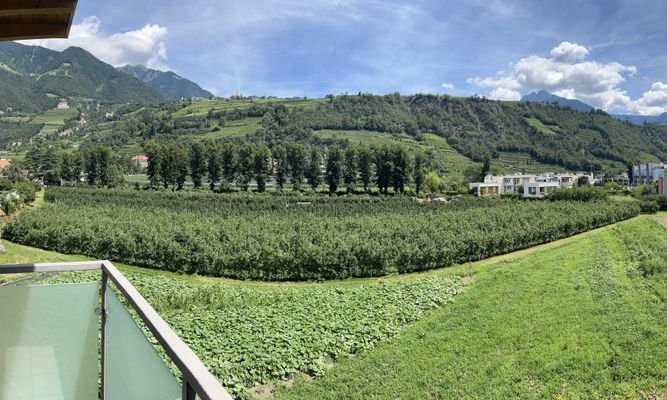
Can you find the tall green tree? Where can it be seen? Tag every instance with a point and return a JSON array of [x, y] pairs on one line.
[[349, 168], [246, 163], [71, 166], [334, 168], [213, 163], [51, 169], [104, 156], [197, 163], [383, 168], [281, 166], [400, 173], [262, 167], [486, 168], [364, 164], [229, 163], [419, 172], [314, 172], [154, 154], [296, 158]]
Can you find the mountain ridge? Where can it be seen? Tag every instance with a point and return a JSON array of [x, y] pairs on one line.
[[543, 96], [168, 83], [34, 78]]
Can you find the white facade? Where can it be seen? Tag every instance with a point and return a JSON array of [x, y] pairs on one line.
[[540, 188], [517, 183], [645, 174]]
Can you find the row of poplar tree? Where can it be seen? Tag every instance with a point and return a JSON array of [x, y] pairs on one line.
[[227, 164]]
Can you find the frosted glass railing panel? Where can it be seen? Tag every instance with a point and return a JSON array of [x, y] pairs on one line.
[[49, 342], [134, 370]]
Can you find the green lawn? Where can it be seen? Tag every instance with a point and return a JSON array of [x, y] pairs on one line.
[[546, 130], [54, 119], [523, 162], [576, 321]]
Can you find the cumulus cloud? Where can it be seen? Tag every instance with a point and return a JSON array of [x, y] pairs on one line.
[[652, 102], [565, 73], [448, 86], [569, 52], [142, 46], [505, 94]]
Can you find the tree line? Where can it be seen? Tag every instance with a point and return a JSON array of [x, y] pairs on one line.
[[226, 164]]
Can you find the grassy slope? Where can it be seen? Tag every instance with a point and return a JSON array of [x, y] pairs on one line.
[[564, 323], [54, 119]]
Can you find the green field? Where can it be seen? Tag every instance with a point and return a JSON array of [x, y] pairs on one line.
[[232, 129], [580, 318], [54, 119], [202, 107], [269, 237], [523, 162], [546, 130]]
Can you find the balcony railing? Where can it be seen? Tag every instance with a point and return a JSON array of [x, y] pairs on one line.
[[78, 341]]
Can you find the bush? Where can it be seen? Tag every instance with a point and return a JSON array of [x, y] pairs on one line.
[[649, 207], [586, 193]]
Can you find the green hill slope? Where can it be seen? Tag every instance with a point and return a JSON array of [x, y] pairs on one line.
[[32, 79]]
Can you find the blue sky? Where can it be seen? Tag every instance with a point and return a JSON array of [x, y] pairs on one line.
[[611, 54]]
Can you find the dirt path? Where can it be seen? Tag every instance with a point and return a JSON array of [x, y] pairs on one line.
[[661, 220]]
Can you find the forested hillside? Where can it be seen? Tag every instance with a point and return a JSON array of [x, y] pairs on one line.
[[450, 128], [33, 79]]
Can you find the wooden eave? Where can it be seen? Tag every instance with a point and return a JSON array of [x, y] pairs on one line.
[[35, 19]]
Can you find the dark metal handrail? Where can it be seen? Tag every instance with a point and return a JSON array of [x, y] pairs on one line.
[[197, 380]]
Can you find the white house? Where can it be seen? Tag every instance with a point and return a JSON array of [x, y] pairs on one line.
[[540, 187], [517, 183]]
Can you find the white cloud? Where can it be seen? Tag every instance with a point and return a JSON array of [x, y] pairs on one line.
[[505, 94], [566, 73], [142, 46], [652, 102], [569, 52], [447, 86]]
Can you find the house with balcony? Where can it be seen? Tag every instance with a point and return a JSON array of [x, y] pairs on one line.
[[540, 187], [494, 185], [83, 341]]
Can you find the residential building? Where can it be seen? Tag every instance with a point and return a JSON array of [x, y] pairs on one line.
[[492, 186], [516, 183], [646, 174], [62, 105], [5, 163], [141, 160], [540, 187], [662, 183]]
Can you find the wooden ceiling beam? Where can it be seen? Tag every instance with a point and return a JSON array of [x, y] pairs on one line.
[[35, 12], [32, 31], [18, 7]]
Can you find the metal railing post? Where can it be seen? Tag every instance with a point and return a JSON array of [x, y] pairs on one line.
[[188, 390], [103, 338]]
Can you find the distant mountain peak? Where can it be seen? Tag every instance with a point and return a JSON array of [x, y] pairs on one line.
[[543, 96], [166, 82]]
